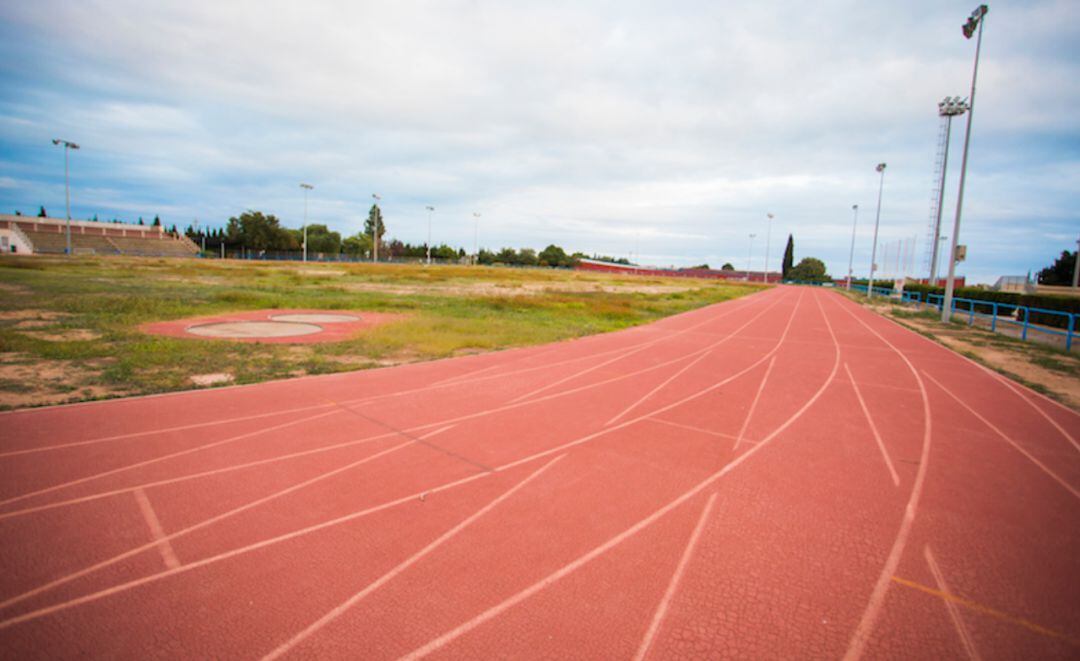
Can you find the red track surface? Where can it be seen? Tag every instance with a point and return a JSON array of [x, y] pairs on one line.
[[785, 475]]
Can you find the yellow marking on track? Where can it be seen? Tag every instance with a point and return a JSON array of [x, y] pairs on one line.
[[986, 610]]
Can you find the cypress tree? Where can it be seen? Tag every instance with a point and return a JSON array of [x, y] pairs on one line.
[[789, 257]]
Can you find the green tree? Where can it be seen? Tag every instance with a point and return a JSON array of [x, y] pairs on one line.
[[809, 269], [507, 256], [553, 256], [789, 258], [357, 246], [157, 222], [42, 214], [1061, 271], [257, 231], [485, 256], [727, 267], [320, 239]]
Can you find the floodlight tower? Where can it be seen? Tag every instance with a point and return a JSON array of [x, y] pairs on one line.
[[749, 256], [974, 22], [877, 221], [375, 229], [476, 237], [952, 106], [430, 209], [306, 188], [851, 255], [768, 238], [68, 146]]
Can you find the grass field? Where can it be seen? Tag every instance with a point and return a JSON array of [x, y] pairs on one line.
[[69, 327]]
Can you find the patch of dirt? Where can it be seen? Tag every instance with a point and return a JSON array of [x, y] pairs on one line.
[[9, 288], [67, 335], [1016, 360], [43, 382], [31, 314], [212, 379]]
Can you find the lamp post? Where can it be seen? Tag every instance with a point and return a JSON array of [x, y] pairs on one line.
[[951, 107], [68, 146], [375, 228], [851, 255], [306, 188], [1076, 266], [749, 255], [877, 221], [476, 237], [975, 21], [768, 238], [430, 209]]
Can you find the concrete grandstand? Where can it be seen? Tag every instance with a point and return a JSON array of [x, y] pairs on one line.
[[26, 235]]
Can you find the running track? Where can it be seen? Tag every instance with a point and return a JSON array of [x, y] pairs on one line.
[[786, 475]]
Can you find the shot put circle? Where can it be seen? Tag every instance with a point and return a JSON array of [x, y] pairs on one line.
[[316, 318], [253, 329]]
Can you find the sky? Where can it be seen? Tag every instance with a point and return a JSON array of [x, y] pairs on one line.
[[665, 132]]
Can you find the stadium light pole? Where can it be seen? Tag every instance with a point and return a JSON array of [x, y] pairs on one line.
[[430, 209], [476, 237], [306, 188], [768, 238], [375, 230], [68, 146], [1076, 266], [951, 107], [851, 255], [749, 256], [974, 22], [877, 221]]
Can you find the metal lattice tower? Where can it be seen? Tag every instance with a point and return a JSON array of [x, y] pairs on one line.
[[933, 227], [952, 106]]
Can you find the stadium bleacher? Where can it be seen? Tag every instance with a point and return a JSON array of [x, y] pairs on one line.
[[49, 236]]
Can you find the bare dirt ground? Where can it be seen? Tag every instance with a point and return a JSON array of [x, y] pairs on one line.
[[1045, 369]]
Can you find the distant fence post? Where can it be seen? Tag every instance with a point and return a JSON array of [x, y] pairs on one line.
[[1069, 334], [993, 319], [1027, 322]]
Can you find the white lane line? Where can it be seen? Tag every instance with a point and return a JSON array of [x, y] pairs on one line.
[[166, 430], [215, 519], [753, 405], [954, 610], [665, 602], [171, 455], [861, 636], [646, 345], [706, 351], [1019, 448], [194, 476], [693, 428], [1027, 400], [873, 428], [160, 540], [596, 552], [243, 550], [337, 611]]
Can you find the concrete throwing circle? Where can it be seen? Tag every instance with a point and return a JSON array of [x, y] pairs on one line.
[[254, 329], [314, 318]]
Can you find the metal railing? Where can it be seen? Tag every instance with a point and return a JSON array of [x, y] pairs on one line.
[[999, 315]]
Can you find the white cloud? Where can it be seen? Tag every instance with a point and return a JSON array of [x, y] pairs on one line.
[[594, 125]]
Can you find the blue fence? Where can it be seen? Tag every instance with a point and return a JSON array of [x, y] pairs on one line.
[[998, 314]]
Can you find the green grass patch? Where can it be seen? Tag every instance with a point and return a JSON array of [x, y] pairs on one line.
[[446, 311]]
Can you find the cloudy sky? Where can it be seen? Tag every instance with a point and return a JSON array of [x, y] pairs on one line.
[[665, 129]]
